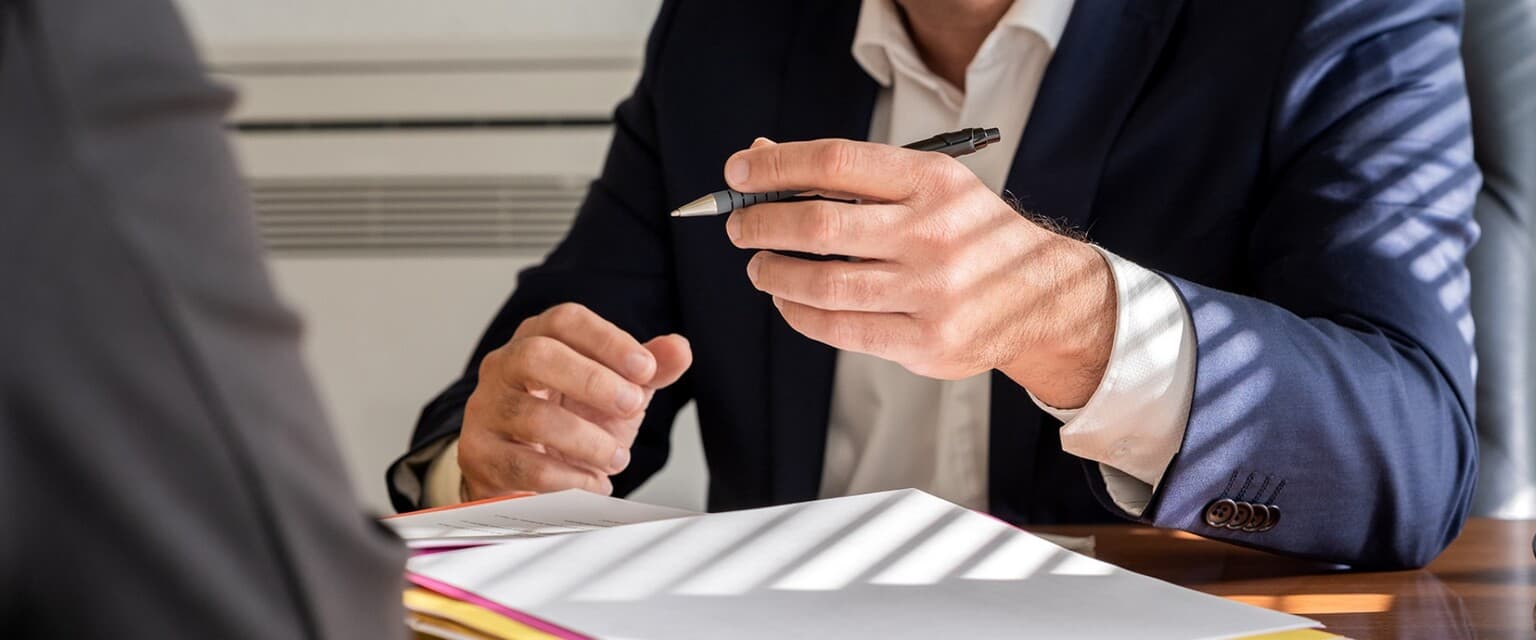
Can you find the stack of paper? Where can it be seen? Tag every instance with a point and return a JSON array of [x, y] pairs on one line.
[[899, 564], [499, 520]]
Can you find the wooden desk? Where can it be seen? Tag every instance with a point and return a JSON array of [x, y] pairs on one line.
[[1484, 586]]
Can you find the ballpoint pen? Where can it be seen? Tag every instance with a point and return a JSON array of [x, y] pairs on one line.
[[953, 144]]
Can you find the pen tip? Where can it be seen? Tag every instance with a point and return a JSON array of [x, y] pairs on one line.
[[704, 206]]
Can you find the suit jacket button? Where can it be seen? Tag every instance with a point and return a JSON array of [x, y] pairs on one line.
[[1260, 516], [1272, 520], [1240, 515], [1220, 512]]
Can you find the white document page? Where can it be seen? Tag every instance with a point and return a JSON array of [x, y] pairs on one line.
[[890, 565], [541, 515]]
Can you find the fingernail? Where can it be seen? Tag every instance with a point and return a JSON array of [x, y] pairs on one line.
[[736, 171], [620, 459], [637, 366], [630, 399], [753, 266], [733, 227]]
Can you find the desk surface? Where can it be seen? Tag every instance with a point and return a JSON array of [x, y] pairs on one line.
[[1483, 586]]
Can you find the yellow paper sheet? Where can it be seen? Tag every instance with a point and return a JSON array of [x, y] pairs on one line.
[[468, 615], [1299, 634]]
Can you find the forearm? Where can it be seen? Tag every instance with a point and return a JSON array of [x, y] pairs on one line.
[[1067, 349]]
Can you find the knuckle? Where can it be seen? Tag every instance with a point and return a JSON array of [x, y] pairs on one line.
[[566, 313], [529, 324], [766, 163], [827, 160], [948, 334], [824, 225], [858, 288], [526, 417], [599, 449], [491, 364], [935, 233], [475, 408], [846, 333], [533, 349], [834, 159], [827, 286], [595, 384], [469, 446], [943, 168], [754, 227], [624, 432], [608, 342], [937, 173], [881, 341]]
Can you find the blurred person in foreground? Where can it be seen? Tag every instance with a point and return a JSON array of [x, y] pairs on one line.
[[167, 467]]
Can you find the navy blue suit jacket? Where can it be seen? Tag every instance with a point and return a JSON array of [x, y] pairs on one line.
[[1301, 171]]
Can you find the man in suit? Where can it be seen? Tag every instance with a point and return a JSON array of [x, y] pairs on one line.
[[168, 470], [1235, 302]]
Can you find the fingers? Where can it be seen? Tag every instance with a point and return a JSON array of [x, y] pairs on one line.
[[867, 169], [540, 362], [624, 430], [821, 227], [892, 336], [673, 356], [594, 337], [559, 405], [834, 285], [498, 467], [522, 417]]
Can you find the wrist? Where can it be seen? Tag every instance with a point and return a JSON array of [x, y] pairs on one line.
[[1065, 356]]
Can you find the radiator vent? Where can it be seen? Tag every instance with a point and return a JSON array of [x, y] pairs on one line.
[[522, 214]]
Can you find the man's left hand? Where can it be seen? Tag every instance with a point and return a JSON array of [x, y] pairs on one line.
[[952, 281]]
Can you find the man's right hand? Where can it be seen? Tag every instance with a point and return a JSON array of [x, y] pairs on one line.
[[559, 405]]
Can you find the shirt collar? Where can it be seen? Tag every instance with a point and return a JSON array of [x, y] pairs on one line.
[[880, 41]]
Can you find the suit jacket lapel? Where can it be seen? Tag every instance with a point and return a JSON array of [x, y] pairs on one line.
[[1105, 56], [824, 94]]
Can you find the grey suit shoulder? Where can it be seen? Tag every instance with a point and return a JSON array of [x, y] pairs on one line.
[[165, 460]]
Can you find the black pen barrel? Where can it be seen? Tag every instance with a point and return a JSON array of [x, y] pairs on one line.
[[958, 143], [731, 199], [953, 144]]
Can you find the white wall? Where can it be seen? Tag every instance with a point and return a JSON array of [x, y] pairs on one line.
[[268, 22], [386, 333]]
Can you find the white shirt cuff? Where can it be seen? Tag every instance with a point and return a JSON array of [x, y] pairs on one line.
[[1133, 424], [443, 478]]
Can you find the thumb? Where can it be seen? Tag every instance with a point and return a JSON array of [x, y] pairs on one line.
[[673, 357], [762, 142]]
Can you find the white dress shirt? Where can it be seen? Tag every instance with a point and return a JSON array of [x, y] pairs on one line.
[[892, 429]]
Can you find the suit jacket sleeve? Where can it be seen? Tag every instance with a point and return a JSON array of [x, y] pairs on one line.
[[616, 260], [167, 468], [1342, 392]]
